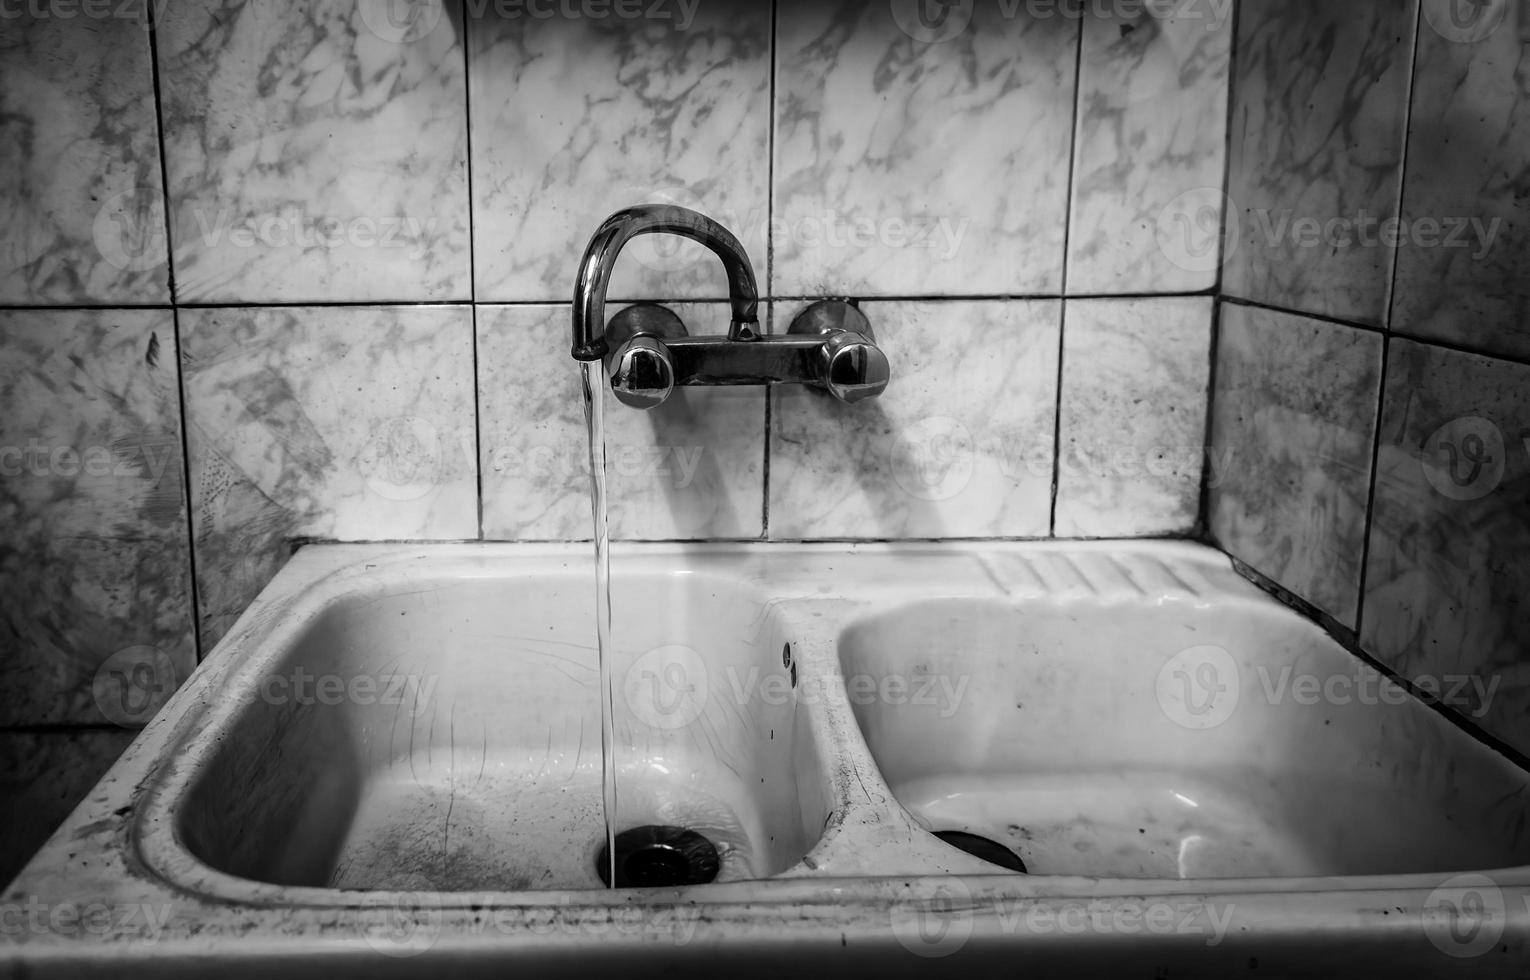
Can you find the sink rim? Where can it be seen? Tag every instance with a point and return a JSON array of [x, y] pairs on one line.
[[307, 587]]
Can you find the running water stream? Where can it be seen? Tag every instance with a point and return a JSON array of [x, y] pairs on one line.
[[594, 416]]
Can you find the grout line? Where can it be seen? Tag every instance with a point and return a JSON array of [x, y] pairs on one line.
[[1293, 311], [1203, 518], [1349, 639], [1381, 331], [1386, 343], [467, 134], [250, 305], [159, 140], [1057, 449], [1370, 497], [1402, 163], [194, 583], [191, 528], [477, 422], [369, 304], [80, 307], [770, 161], [384, 303], [467, 126], [770, 397], [1062, 314], [770, 266], [1227, 148]]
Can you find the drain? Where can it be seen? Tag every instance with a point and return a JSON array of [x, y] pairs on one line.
[[659, 857], [982, 847]]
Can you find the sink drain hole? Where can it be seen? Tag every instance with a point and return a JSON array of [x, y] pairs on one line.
[[659, 857], [983, 848]]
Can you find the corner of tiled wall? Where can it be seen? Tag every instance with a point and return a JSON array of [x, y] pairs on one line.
[[322, 295], [1294, 419], [1372, 366], [94, 557]]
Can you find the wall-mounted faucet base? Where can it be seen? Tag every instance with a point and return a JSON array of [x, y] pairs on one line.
[[829, 345], [648, 351]]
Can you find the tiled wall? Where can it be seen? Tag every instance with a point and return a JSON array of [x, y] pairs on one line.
[[284, 272], [1373, 361]]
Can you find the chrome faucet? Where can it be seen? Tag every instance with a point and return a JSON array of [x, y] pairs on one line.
[[648, 351]]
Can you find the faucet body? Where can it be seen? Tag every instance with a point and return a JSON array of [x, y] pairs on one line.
[[650, 219], [648, 350]]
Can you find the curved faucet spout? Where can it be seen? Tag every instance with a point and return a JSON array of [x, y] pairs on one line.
[[647, 219]]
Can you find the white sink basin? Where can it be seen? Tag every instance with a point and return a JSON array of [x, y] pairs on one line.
[[473, 758], [1083, 759], [391, 766]]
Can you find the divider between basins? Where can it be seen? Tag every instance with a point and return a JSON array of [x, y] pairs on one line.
[[867, 831]]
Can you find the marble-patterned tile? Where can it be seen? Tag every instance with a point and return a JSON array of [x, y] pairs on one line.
[[1463, 272], [1293, 426], [910, 161], [1319, 105], [1151, 149], [336, 423], [960, 444], [574, 118], [693, 468], [316, 152], [43, 777], [1135, 385], [82, 197], [94, 558], [1449, 566]]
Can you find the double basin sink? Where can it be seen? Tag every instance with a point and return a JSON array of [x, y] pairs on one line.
[[1115, 757]]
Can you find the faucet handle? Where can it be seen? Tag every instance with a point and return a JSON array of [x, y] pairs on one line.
[[641, 367], [642, 372], [853, 367]]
